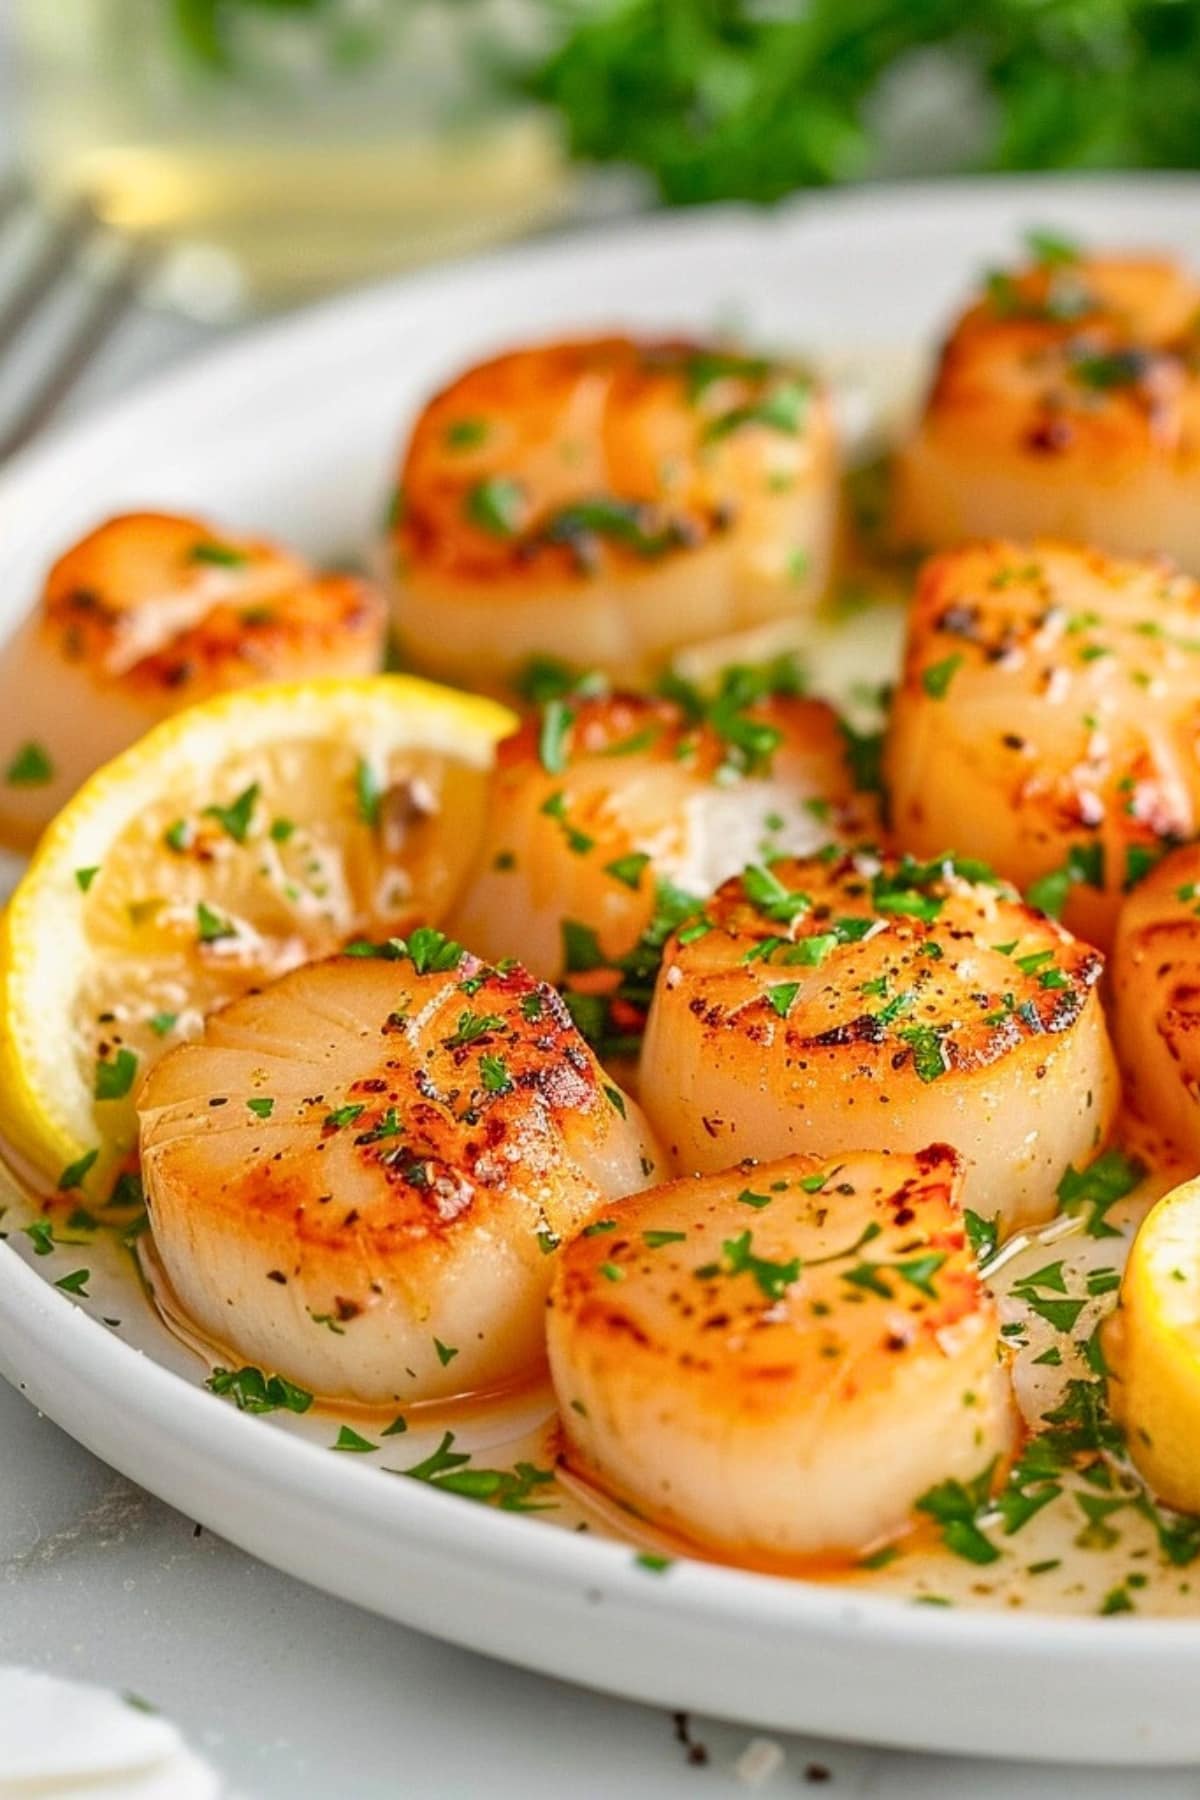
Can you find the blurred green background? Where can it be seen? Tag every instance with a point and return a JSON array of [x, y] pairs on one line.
[[298, 143]]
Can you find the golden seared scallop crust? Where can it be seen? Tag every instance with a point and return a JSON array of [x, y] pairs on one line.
[[1155, 977], [1048, 720], [844, 1002], [599, 803], [359, 1176], [1066, 402], [607, 501], [150, 613], [779, 1360]]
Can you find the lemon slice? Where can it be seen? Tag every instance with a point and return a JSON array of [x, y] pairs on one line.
[[234, 841], [1153, 1347]]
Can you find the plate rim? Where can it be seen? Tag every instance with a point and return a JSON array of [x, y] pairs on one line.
[[45, 1336]]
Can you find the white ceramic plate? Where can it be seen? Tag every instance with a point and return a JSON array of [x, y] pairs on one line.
[[294, 430]]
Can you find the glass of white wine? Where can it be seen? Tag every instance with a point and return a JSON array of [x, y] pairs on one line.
[[281, 147]]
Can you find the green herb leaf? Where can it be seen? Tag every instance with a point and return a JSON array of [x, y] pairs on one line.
[[115, 1075], [234, 819], [30, 767], [497, 506], [348, 1439], [254, 1392], [74, 1173], [936, 678]]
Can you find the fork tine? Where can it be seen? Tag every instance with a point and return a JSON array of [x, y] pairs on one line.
[[115, 292], [64, 240]]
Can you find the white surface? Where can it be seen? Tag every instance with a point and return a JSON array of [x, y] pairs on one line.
[[76, 1740], [105, 468]]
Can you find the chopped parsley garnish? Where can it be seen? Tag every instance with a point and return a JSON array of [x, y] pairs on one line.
[[1107, 369], [1139, 860], [553, 736], [40, 1233], [655, 1240], [513, 1490], [234, 819], [466, 434], [471, 1027], [163, 1022], [367, 793], [738, 1258], [344, 1115], [262, 1108], [864, 757], [953, 1505], [211, 925], [783, 410], [85, 877], [430, 951], [628, 870], [782, 995], [493, 1072], [348, 1439], [1098, 1188], [928, 1051], [115, 1075], [74, 1173], [446, 1353], [616, 1099], [639, 527], [222, 556], [1084, 866], [768, 895], [496, 506], [255, 1392], [30, 767], [75, 1283], [937, 677], [918, 1271], [983, 1235], [581, 948]]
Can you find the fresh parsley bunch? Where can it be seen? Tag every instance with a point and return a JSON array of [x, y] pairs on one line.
[[749, 99]]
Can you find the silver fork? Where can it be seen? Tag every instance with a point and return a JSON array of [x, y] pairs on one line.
[[73, 246]]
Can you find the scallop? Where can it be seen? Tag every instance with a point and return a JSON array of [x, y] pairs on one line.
[[1156, 995], [606, 502], [846, 1002], [145, 615], [1066, 402], [359, 1177], [1048, 720], [605, 810], [779, 1360]]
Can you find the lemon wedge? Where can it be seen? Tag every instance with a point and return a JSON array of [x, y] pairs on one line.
[[236, 840], [1152, 1344]]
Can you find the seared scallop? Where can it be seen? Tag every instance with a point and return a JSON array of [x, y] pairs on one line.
[[848, 1003], [1156, 990], [599, 805], [1066, 402], [145, 615], [607, 502], [780, 1360], [358, 1178], [1048, 721]]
